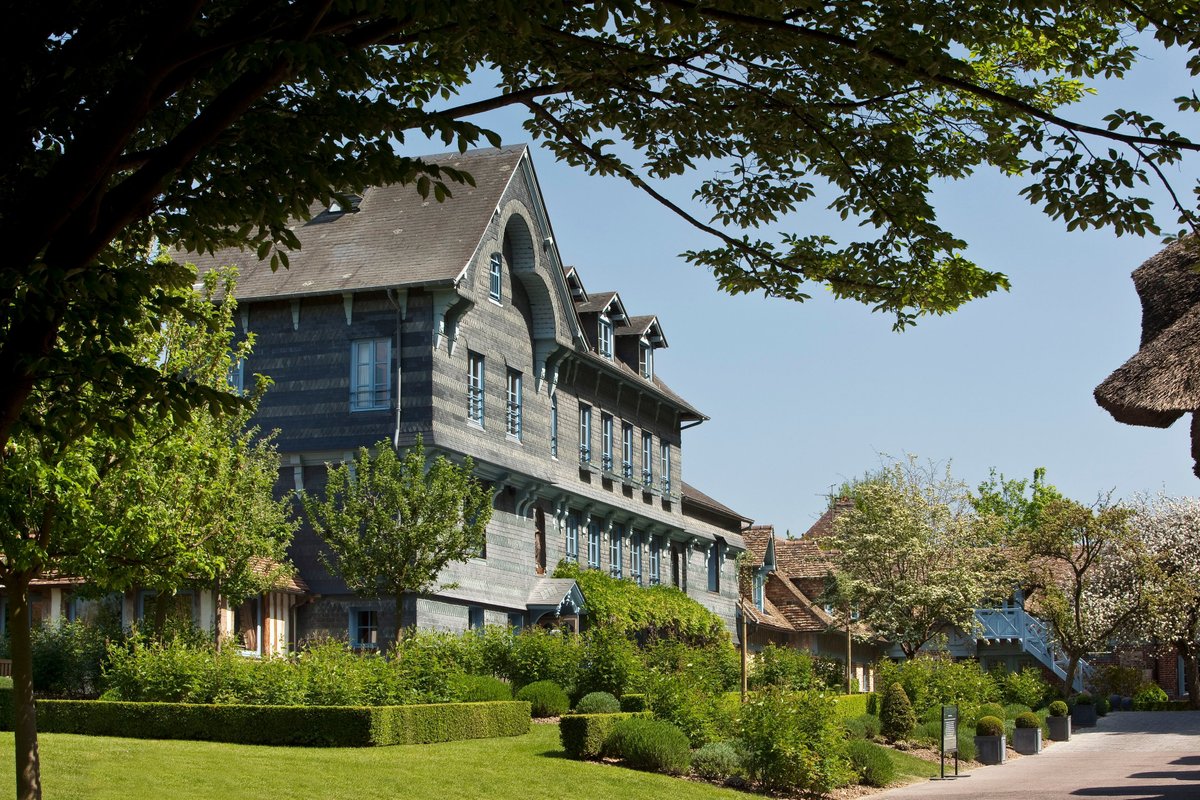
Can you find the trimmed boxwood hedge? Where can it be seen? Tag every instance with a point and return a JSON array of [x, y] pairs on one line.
[[319, 726], [583, 735], [851, 705]]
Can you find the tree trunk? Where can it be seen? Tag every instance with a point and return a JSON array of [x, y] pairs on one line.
[[1072, 668], [400, 622], [1191, 670], [160, 615], [29, 780]]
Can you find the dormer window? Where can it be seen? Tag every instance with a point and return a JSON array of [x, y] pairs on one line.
[[646, 360], [494, 280], [604, 342]]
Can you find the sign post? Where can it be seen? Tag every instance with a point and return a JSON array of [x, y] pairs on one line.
[[949, 741]]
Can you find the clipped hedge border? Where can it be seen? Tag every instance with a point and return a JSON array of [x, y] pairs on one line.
[[1168, 705], [851, 705], [633, 702], [314, 726], [583, 735]]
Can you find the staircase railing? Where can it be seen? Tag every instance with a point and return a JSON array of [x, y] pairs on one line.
[[1013, 623]]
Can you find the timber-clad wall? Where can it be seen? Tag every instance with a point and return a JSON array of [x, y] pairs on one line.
[[304, 345]]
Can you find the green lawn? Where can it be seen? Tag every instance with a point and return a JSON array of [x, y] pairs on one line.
[[910, 768], [527, 767], [521, 768]]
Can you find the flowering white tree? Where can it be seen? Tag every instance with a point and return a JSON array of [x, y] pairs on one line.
[[1083, 563], [1168, 528], [914, 555]]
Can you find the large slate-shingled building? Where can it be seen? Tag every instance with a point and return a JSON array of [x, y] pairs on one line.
[[458, 322]]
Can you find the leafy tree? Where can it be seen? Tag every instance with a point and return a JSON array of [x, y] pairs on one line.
[[211, 125], [1168, 530], [163, 503], [1014, 504], [910, 554], [394, 523], [1078, 560]]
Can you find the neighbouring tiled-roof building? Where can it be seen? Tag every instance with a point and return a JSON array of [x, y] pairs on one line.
[[457, 322]]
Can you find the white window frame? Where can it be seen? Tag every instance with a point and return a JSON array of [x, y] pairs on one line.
[[627, 450], [648, 459], [356, 628], [604, 337], [635, 557], [574, 522], [512, 407], [646, 360], [593, 532], [585, 434], [495, 281], [476, 387], [237, 376], [606, 442], [760, 591], [655, 560], [554, 425], [370, 374], [616, 548], [664, 452]]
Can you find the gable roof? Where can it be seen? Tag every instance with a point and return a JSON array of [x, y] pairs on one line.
[[824, 525], [644, 325], [395, 238], [1161, 381], [801, 558], [758, 540]]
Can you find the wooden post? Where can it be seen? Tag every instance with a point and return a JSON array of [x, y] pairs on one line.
[[849, 654], [745, 649]]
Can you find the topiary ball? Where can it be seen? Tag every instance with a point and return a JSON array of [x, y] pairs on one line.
[[597, 703], [991, 710], [989, 726], [1028, 719], [1058, 709], [546, 699], [1083, 699]]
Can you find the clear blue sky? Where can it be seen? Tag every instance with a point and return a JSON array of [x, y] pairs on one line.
[[803, 396]]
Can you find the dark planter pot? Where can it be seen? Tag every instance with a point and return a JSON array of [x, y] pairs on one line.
[[1126, 704], [1027, 741], [1060, 729], [1114, 700], [990, 749], [1083, 716]]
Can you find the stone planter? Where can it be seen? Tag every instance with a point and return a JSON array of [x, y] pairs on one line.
[[1027, 741], [990, 749], [1083, 716], [1060, 728], [1114, 700]]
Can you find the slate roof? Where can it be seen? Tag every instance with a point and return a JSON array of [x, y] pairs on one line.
[[693, 495], [396, 238], [597, 302]]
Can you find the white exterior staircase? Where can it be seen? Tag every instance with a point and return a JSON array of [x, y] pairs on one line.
[[1010, 623]]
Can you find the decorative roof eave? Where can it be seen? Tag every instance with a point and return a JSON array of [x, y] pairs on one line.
[[644, 327], [560, 596], [632, 380]]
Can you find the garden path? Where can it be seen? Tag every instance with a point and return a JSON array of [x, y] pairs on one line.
[[1129, 755]]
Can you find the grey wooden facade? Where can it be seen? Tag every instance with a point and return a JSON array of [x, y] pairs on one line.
[[419, 277]]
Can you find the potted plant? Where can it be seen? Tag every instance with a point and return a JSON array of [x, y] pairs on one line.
[[1027, 735], [990, 740], [1083, 715], [1059, 722]]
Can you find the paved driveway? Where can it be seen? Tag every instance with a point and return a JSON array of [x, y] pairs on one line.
[[1130, 755]]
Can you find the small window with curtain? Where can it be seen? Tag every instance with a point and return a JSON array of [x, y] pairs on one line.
[[370, 374]]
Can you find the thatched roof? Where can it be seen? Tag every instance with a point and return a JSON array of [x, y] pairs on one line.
[[1161, 382]]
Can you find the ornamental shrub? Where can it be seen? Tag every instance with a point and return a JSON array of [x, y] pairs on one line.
[[546, 699], [830, 672], [896, 716], [873, 703], [863, 726], [1084, 699], [68, 657], [1058, 709], [480, 688], [990, 710], [1121, 681], [934, 680], [1026, 687], [989, 726], [1103, 706], [584, 736], [1013, 710], [1027, 719], [785, 667], [649, 744], [597, 703], [1147, 696], [717, 761], [794, 743], [871, 762], [609, 662], [701, 713], [633, 702]]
